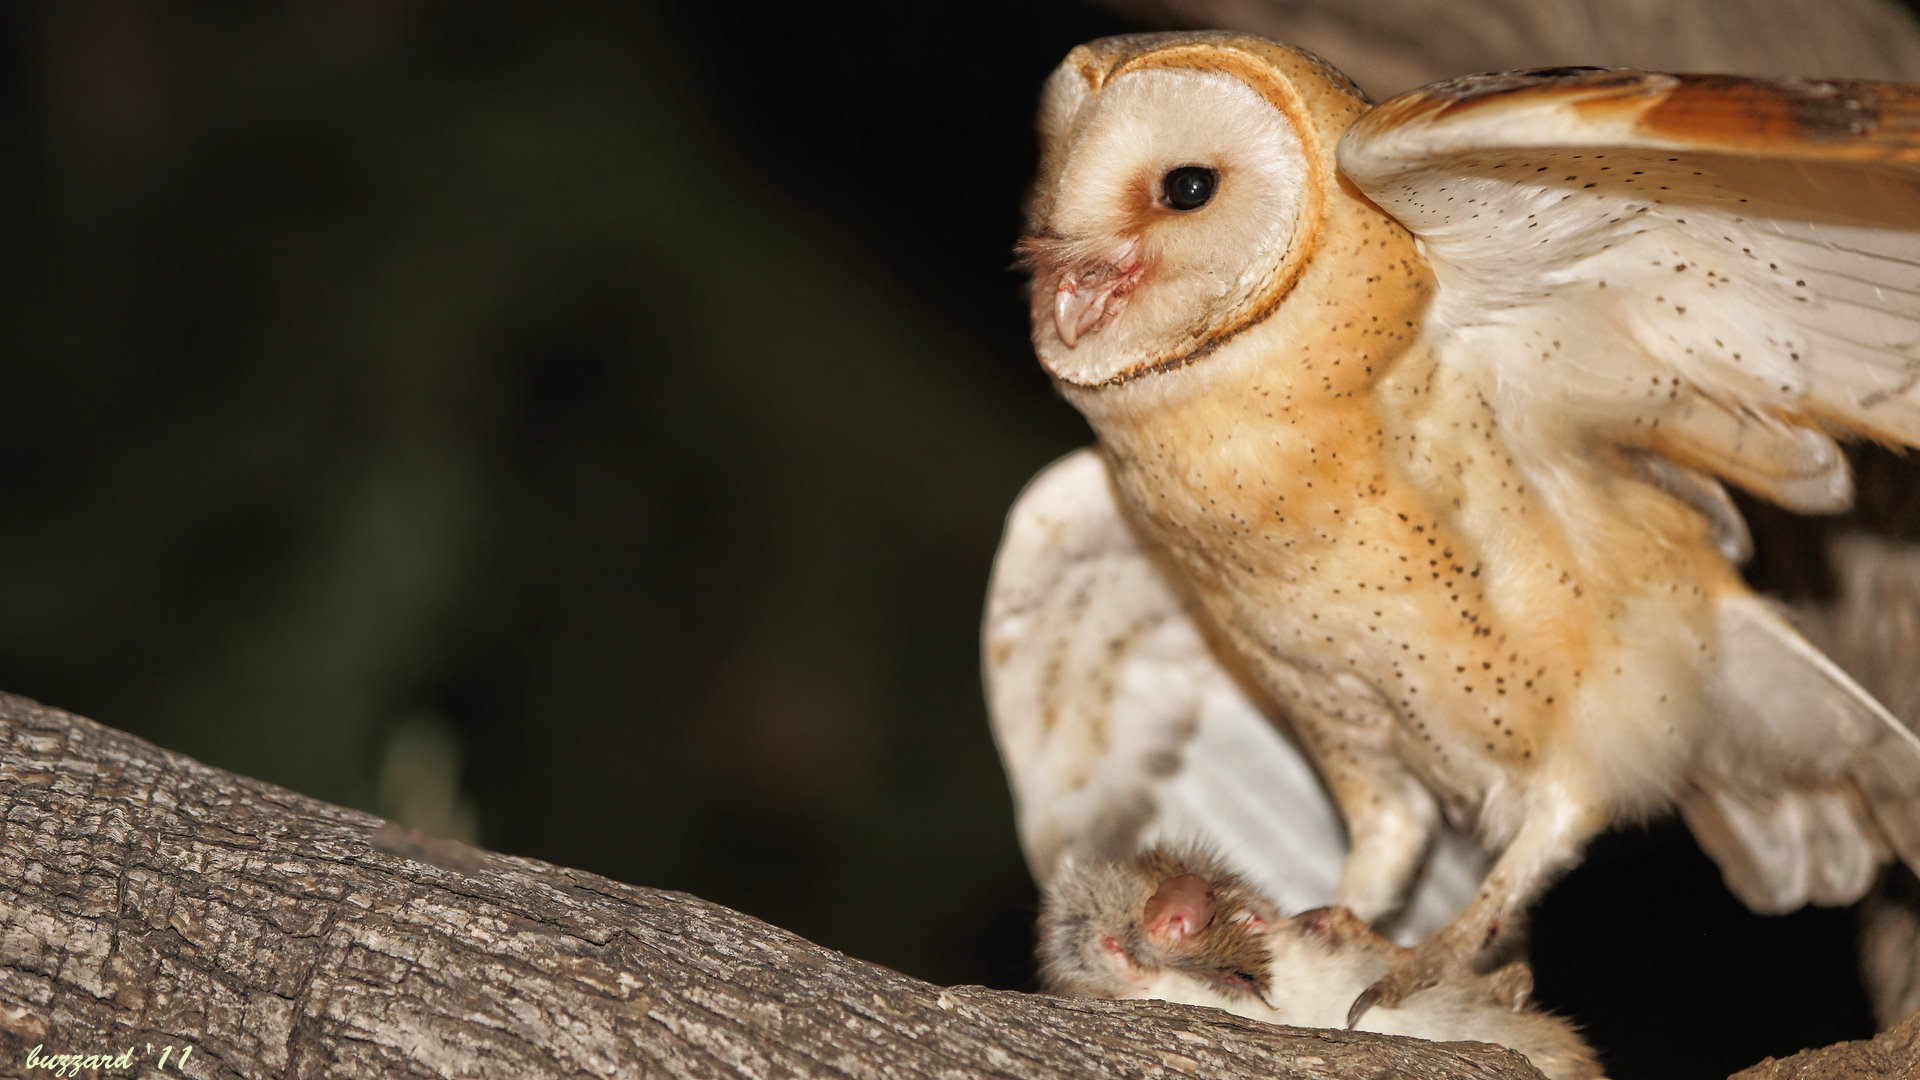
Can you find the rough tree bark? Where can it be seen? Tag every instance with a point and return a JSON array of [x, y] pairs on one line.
[[1893, 1055], [148, 901], [152, 904], [210, 925]]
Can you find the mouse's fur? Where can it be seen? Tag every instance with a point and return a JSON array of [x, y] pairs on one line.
[[1180, 926]]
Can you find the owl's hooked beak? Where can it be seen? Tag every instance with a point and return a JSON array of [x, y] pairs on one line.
[[1087, 296]]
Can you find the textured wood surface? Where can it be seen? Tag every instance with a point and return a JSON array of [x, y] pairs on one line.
[[1893, 1055], [149, 901]]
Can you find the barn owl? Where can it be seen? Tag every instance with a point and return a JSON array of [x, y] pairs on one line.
[[1412, 423], [1176, 924]]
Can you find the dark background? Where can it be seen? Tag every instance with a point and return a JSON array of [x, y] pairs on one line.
[[585, 430]]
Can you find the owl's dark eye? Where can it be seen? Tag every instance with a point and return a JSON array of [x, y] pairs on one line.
[[1189, 187]]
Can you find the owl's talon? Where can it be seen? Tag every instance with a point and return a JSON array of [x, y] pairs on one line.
[[1361, 1004], [1429, 965]]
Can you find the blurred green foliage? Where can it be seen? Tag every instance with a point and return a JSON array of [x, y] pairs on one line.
[[369, 362]]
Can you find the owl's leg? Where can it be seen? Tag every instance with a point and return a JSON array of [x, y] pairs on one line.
[[1549, 842], [1391, 820], [1390, 815]]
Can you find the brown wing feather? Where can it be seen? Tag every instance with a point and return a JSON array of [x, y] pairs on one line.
[[1806, 119]]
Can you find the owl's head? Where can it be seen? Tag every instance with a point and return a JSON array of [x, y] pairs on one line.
[[1183, 178]]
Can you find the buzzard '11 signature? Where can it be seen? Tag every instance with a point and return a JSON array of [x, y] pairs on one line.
[[106, 1063]]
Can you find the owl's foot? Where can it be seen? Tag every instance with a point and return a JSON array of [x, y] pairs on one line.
[[1512, 985], [1335, 925], [1435, 962]]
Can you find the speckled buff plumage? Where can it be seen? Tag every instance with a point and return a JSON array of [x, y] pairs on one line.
[[1411, 428]]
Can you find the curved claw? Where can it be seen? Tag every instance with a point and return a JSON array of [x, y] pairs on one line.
[[1429, 965], [1361, 1004]]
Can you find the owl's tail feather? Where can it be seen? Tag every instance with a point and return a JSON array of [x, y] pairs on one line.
[[1816, 782], [1891, 790], [1873, 631], [1779, 852]]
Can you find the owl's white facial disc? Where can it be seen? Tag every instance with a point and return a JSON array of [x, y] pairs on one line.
[[1163, 217]]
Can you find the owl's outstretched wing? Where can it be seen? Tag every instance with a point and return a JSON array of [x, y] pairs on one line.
[[1724, 271], [1120, 728], [1695, 277]]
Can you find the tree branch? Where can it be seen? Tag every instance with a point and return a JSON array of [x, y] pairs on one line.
[[148, 901], [1891, 1055]]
